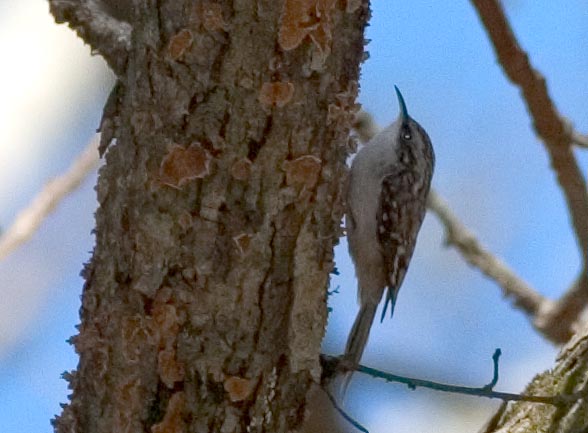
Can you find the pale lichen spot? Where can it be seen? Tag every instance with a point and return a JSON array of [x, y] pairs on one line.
[[169, 368], [181, 165], [301, 18], [242, 242], [238, 388], [179, 43], [276, 94], [212, 17], [185, 220], [173, 420], [303, 170], [241, 169]]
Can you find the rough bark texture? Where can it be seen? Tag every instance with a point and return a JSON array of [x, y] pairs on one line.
[[220, 203], [569, 376]]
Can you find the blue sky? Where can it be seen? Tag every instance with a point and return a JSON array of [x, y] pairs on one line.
[[449, 319]]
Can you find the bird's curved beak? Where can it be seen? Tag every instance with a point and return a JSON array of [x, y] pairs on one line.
[[403, 110]]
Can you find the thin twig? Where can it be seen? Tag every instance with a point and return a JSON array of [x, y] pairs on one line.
[[344, 414], [556, 400], [494, 380], [554, 130], [29, 219], [104, 33], [333, 366]]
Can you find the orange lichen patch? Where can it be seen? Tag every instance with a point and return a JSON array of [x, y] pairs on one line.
[[212, 17], [303, 170], [334, 113], [173, 421], [348, 96], [181, 165], [303, 17], [345, 107], [346, 115], [166, 323], [135, 336], [296, 22], [276, 94], [241, 169], [242, 241], [238, 388], [164, 294], [128, 396], [169, 369], [322, 38], [179, 43]]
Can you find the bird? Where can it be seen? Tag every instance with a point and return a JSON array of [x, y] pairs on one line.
[[389, 181]]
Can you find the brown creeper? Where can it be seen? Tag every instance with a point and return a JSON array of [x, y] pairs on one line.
[[386, 197]]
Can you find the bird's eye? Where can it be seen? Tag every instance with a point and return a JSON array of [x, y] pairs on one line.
[[406, 134]]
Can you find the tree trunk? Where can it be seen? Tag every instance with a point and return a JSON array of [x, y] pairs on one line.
[[219, 205]]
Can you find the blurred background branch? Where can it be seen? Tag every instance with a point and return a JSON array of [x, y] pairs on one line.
[[29, 219], [558, 136]]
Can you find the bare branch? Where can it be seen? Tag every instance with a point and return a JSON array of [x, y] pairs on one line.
[[105, 34], [559, 320], [457, 235], [555, 320], [554, 130], [29, 219]]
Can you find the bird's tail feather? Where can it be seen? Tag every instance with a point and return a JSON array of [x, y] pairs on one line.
[[357, 340], [391, 294]]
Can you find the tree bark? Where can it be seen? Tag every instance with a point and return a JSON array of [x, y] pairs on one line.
[[219, 206], [569, 378]]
